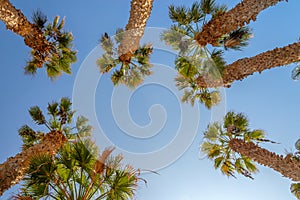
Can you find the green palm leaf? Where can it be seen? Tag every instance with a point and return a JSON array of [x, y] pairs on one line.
[[131, 73], [216, 144]]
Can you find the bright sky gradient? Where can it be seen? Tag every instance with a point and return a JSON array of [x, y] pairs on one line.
[[270, 99]]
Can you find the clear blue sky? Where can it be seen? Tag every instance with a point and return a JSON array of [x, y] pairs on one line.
[[270, 99]]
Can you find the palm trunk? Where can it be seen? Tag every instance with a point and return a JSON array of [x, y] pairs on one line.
[[13, 169], [242, 68], [18, 23], [139, 13], [229, 21], [287, 166]]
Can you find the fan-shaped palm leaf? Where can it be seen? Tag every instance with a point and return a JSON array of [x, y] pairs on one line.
[[130, 73], [217, 147], [195, 60], [59, 57], [75, 173]]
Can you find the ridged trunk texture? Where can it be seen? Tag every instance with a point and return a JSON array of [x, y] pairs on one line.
[[287, 166], [229, 21], [139, 13], [242, 68], [13, 169], [18, 23]]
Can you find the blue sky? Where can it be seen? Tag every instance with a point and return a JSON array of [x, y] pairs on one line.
[[270, 99]]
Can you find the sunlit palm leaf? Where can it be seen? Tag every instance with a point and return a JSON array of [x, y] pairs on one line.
[[216, 144], [295, 189], [59, 56]]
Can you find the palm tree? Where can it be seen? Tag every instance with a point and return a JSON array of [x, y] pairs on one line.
[[242, 68], [36, 142], [139, 13], [193, 60], [233, 147], [51, 46], [131, 59], [130, 73], [77, 172], [226, 22], [18, 23], [12, 170]]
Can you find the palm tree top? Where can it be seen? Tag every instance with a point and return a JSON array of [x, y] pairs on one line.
[[129, 72], [59, 56], [60, 118], [79, 171], [217, 141], [193, 60]]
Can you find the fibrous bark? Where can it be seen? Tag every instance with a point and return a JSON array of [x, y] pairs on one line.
[[15, 21], [242, 68], [229, 21], [288, 166], [14, 168], [139, 13]]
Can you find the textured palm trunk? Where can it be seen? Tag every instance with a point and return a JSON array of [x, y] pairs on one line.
[[13, 169], [229, 21], [287, 166], [18, 23], [139, 13], [242, 68]]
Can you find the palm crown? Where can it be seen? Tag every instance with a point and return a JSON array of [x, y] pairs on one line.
[[77, 171], [193, 59], [130, 73], [60, 119], [60, 56], [217, 139]]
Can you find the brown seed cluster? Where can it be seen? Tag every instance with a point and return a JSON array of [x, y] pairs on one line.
[[229, 21], [139, 14], [13, 169], [287, 166], [242, 68]]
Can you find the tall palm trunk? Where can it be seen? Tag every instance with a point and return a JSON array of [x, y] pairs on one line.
[[232, 20], [13, 169], [287, 166], [242, 68], [139, 13], [18, 23]]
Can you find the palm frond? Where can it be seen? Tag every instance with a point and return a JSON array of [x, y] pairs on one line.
[[217, 57], [236, 39], [295, 189], [179, 15], [59, 55], [37, 115], [29, 136], [208, 6], [296, 73], [107, 44], [39, 19], [196, 13], [119, 35], [216, 144], [185, 67]]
